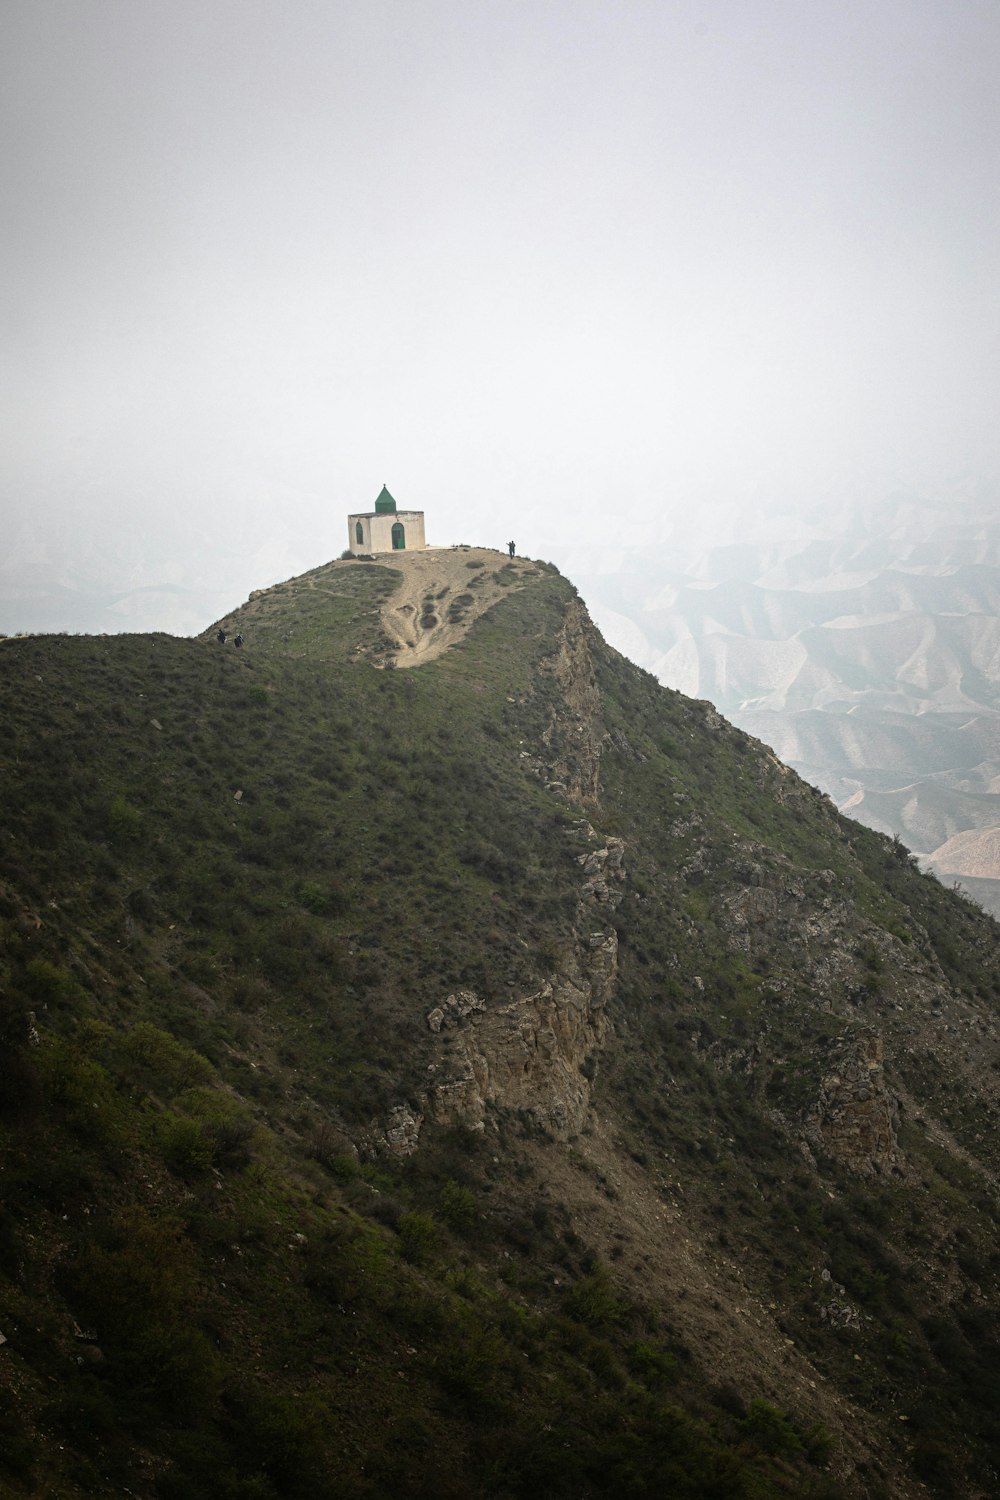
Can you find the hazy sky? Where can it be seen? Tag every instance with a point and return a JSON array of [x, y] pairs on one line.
[[533, 264]]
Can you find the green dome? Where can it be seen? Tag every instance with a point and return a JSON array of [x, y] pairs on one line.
[[385, 505]]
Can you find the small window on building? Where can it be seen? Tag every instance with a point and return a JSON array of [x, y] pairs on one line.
[[359, 535]]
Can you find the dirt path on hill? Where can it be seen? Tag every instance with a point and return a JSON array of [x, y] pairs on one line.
[[441, 592]]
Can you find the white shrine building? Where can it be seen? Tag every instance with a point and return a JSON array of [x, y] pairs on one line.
[[385, 529]]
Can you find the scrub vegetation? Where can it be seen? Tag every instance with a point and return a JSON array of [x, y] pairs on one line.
[[233, 883]]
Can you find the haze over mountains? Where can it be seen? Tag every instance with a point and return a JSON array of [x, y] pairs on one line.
[[155, 572], [862, 643]]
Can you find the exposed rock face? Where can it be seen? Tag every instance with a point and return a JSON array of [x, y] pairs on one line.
[[753, 906], [572, 742], [527, 1056], [402, 1131], [855, 1117], [839, 1314], [604, 871], [536, 1055], [456, 1008]]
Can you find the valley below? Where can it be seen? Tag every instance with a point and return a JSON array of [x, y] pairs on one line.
[[862, 644]]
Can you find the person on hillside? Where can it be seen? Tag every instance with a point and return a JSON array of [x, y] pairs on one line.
[[221, 637], [510, 548], [239, 639]]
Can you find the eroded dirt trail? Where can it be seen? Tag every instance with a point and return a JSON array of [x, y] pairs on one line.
[[441, 592]]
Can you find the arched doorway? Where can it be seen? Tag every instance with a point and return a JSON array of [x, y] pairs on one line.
[[359, 535], [398, 537]]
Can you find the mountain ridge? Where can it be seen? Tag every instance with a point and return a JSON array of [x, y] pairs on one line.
[[514, 996]]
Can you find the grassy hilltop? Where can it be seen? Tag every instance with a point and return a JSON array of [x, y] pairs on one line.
[[495, 1078]]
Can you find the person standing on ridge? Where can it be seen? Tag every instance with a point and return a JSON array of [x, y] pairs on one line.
[[510, 548]]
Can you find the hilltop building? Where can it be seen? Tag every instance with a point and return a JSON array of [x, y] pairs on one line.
[[385, 529]]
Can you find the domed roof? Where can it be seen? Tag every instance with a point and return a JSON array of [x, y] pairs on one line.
[[385, 505]]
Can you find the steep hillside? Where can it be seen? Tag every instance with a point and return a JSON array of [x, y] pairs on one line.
[[499, 1078], [861, 643]]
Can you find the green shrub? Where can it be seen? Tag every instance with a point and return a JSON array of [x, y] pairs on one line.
[[282, 1435], [82, 1090], [457, 1207], [654, 1366], [594, 1301], [184, 1145], [770, 1429], [225, 1123], [419, 1237], [139, 1287], [48, 984], [161, 1062], [124, 822], [324, 898], [473, 1367]]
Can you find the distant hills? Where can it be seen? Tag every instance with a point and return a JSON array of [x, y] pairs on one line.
[[863, 644], [152, 571]]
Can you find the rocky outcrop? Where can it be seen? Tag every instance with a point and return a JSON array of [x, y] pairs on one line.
[[752, 907], [454, 1010], [575, 733], [855, 1116], [537, 1055], [401, 1133], [529, 1057], [604, 869]]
